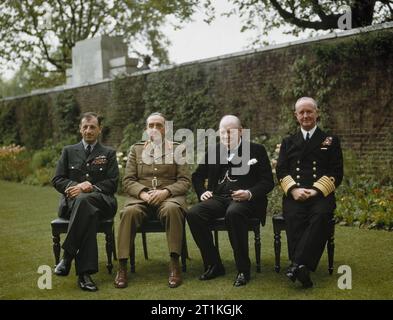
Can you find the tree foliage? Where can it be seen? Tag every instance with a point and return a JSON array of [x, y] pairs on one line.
[[42, 32], [300, 15]]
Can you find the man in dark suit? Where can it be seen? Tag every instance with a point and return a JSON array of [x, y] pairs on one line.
[[309, 169], [237, 185], [86, 176]]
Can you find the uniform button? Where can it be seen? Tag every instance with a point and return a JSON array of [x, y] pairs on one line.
[[314, 162], [315, 169], [155, 169], [87, 175], [298, 184], [314, 175], [72, 167], [297, 169], [100, 169], [298, 161], [297, 177], [87, 165]]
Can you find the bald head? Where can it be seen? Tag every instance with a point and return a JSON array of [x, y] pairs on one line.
[[230, 131], [230, 121]]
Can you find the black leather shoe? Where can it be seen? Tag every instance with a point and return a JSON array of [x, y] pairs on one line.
[[86, 283], [241, 279], [303, 275], [213, 271], [63, 268], [291, 272]]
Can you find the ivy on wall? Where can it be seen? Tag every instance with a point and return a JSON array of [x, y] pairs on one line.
[[186, 94], [65, 116], [8, 129], [335, 67], [35, 127], [183, 95]]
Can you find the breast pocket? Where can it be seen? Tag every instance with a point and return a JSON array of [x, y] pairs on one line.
[[99, 169], [168, 170], [140, 168], [75, 170]]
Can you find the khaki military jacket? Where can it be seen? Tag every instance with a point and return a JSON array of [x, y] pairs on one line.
[[150, 167]]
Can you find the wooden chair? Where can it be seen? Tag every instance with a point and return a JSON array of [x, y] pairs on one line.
[[60, 226], [280, 225], [154, 226], [254, 225]]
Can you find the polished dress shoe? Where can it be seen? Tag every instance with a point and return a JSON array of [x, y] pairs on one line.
[[121, 280], [291, 272], [303, 275], [175, 278], [241, 279], [63, 268], [86, 283], [213, 271]]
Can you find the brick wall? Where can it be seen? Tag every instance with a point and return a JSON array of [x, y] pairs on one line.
[[361, 112]]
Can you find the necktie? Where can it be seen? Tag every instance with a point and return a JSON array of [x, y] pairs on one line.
[[88, 150], [307, 137]]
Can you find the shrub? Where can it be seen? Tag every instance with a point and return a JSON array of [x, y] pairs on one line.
[[14, 163]]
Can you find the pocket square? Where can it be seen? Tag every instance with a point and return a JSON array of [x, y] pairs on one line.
[[252, 161]]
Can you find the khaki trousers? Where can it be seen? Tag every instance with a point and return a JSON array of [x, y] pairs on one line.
[[169, 213]]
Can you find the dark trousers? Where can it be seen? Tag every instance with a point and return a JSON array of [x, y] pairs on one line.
[[81, 240], [236, 215], [307, 234]]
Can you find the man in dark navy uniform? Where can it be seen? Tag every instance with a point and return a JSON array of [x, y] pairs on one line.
[[309, 169], [86, 176]]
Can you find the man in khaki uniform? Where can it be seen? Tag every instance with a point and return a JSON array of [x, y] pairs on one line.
[[155, 184]]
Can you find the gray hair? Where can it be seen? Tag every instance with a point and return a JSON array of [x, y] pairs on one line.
[[306, 99], [156, 114]]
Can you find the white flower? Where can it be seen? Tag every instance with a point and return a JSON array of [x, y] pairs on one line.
[[125, 158], [120, 166], [119, 154], [252, 161]]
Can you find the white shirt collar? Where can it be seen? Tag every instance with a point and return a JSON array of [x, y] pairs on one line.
[[232, 151], [85, 144], [311, 132]]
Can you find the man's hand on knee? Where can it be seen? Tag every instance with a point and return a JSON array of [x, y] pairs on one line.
[[144, 196], [241, 195], [158, 196], [73, 191], [86, 186], [206, 195]]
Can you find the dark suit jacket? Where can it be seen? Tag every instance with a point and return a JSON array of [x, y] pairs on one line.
[[310, 165], [258, 180], [100, 168]]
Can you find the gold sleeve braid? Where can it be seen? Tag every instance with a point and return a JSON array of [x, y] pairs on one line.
[[286, 183], [325, 184]]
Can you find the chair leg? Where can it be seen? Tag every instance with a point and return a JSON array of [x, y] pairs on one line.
[[109, 250], [277, 250], [144, 243], [132, 259], [56, 247], [184, 253], [257, 242], [330, 250]]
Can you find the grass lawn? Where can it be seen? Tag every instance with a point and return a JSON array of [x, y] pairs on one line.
[[26, 243]]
